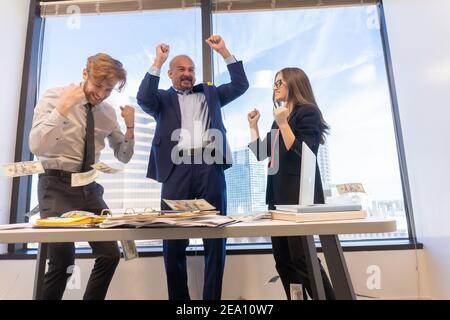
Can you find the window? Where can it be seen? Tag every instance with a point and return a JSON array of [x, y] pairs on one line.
[[341, 51], [340, 48]]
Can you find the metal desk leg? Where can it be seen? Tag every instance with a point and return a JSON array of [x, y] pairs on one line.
[[337, 267], [41, 259], [312, 262]]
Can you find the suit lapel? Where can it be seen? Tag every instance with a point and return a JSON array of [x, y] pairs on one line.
[[175, 104]]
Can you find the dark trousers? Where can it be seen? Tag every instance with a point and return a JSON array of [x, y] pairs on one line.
[[290, 262], [56, 196], [190, 181]]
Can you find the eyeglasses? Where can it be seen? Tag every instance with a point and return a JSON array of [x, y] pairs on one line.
[[278, 84]]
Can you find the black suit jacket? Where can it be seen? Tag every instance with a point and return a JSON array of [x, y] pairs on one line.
[[163, 105], [283, 186]]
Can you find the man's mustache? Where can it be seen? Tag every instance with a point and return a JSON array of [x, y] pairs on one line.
[[186, 78]]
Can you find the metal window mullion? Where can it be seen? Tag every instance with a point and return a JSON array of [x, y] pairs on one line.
[[397, 126]]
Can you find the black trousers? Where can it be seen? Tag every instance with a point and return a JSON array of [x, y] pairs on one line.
[[290, 262], [56, 196]]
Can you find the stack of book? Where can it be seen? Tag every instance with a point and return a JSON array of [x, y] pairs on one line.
[[318, 212]]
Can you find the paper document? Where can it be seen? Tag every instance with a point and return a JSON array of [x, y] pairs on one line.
[[77, 219], [162, 221], [15, 226]]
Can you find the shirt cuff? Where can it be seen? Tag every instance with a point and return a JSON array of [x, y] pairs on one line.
[[129, 141], [231, 59], [154, 71]]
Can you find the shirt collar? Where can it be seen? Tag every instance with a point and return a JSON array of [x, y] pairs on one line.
[[183, 92]]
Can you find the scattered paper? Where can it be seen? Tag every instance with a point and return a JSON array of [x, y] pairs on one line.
[[26, 168], [149, 222], [15, 226]]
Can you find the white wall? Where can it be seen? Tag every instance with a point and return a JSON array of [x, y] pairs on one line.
[[13, 23], [419, 33], [246, 277]]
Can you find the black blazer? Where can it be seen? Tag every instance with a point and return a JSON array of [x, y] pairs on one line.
[[283, 186]]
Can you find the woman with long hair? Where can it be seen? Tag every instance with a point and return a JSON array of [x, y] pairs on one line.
[[297, 119]]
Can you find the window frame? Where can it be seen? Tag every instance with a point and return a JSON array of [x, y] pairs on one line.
[[21, 186]]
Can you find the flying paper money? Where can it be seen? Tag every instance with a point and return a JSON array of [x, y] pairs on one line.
[[26, 168], [84, 178], [103, 167], [350, 187], [33, 211], [129, 249], [189, 205]]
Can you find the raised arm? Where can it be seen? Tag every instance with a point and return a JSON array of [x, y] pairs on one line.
[[123, 145], [148, 96], [239, 83], [261, 149]]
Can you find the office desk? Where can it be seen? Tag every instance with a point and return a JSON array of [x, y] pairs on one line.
[[327, 231]]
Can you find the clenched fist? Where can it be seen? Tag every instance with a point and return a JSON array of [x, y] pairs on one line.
[[128, 116], [281, 115], [162, 53], [253, 118], [71, 96], [217, 44]]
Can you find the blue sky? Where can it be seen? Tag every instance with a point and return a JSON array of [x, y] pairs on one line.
[[339, 48]]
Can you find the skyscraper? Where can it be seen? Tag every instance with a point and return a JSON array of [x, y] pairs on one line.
[[246, 184], [131, 188]]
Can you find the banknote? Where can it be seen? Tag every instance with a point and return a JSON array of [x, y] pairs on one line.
[[103, 167], [129, 250], [26, 168], [189, 205], [84, 178], [350, 187], [33, 211]]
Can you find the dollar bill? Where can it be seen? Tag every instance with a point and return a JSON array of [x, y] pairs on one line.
[[129, 250], [189, 205], [350, 187], [32, 212], [84, 178], [26, 168], [103, 167]]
